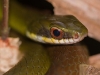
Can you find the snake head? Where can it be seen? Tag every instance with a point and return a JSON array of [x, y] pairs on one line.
[[57, 30]]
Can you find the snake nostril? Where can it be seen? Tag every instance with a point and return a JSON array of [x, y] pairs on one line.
[[76, 35]]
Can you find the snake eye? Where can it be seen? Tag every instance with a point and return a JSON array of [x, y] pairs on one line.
[[56, 33]]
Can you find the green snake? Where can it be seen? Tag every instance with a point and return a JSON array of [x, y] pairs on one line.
[[54, 55]]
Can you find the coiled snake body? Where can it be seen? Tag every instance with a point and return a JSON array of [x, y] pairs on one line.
[[54, 58]]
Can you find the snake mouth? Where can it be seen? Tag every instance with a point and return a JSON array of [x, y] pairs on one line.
[[67, 41], [76, 38]]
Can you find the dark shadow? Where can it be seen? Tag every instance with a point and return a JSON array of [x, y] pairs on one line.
[[38, 4], [93, 45]]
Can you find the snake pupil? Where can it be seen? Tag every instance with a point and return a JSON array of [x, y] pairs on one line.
[[56, 32]]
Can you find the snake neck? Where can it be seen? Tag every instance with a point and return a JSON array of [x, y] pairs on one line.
[[66, 59]]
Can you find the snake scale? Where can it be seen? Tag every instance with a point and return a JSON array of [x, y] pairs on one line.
[[59, 56]]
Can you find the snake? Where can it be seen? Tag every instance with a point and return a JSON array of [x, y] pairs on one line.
[[53, 48]]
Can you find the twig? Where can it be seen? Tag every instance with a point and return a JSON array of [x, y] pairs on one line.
[[5, 30]]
